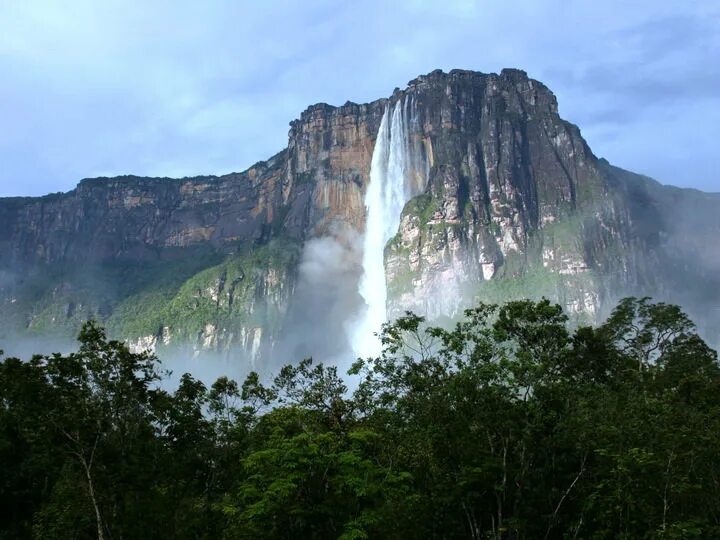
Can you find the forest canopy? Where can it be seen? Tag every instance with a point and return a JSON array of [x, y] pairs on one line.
[[513, 424]]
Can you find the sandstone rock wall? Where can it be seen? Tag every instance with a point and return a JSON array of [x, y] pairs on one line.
[[516, 204]]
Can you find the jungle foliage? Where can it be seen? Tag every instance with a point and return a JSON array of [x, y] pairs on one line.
[[510, 425]]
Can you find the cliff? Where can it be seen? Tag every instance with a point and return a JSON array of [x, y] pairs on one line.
[[513, 203]]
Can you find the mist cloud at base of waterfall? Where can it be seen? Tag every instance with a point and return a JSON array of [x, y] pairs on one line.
[[325, 301]]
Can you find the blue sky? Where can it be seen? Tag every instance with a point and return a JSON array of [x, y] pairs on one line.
[[175, 88]]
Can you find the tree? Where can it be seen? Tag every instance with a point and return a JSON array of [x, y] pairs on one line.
[[511, 424]]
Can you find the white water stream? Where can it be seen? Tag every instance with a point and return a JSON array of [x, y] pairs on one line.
[[388, 192]]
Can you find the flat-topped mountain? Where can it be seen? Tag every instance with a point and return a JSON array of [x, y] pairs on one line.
[[504, 199]]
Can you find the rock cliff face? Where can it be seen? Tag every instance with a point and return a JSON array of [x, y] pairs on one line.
[[142, 218], [514, 194], [514, 204]]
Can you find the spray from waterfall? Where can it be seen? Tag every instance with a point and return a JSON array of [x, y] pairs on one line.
[[389, 190]]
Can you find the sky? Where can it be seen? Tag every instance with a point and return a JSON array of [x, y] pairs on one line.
[[180, 88]]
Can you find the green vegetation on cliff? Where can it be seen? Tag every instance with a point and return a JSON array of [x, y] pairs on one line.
[[135, 299], [58, 298], [235, 293], [510, 425]]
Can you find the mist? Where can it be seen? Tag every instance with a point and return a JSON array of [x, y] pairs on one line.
[[325, 302]]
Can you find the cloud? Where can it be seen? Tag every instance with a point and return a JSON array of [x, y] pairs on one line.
[[179, 88]]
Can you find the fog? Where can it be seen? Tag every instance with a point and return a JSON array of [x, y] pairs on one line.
[[326, 301]]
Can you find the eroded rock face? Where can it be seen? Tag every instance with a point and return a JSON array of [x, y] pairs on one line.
[[142, 218], [504, 170], [518, 206], [514, 204], [330, 150]]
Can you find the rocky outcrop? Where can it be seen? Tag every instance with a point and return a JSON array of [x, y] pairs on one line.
[[143, 218], [512, 189], [329, 154], [513, 204]]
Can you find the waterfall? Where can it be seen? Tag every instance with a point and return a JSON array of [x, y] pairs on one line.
[[386, 195]]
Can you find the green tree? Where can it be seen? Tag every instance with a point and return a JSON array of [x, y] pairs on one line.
[[509, 425]]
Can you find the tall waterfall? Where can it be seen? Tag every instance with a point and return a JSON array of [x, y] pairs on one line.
[[389, 190]]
